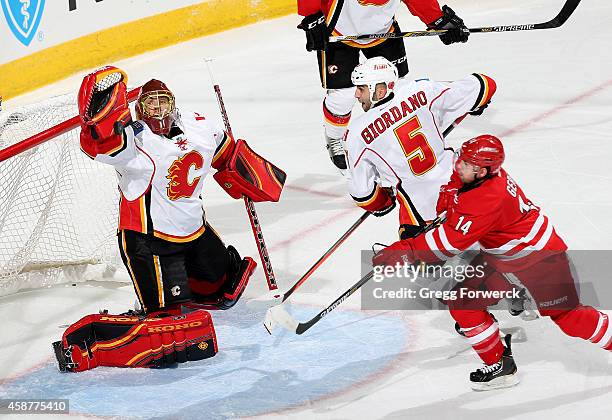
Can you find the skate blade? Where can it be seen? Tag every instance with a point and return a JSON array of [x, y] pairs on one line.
[[506, 381]]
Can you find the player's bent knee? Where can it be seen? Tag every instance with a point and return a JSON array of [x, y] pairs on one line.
[[580, 321], [236, 288], [235, 281], [157, 340]]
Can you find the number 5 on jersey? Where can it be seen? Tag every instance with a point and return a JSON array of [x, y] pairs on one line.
[[421, 157]]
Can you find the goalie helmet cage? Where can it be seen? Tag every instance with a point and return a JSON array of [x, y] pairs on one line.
[[58, 208]]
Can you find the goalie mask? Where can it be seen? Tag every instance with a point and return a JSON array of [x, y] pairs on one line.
[[373, 71], [155, 106]]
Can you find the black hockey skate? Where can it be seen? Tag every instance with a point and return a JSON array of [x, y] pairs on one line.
[[498, 375], [335, 148]]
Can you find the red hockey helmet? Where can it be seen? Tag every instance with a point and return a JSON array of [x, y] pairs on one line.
[[485, 151], [155, 106]]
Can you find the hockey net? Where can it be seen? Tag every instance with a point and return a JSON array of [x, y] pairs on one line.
[[58, 208]]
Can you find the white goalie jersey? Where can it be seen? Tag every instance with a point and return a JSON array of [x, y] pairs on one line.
[[399, 143], [160, 178]]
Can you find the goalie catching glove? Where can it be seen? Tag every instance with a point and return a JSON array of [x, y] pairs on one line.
[[159, 340], [247, 173], [103, 104]]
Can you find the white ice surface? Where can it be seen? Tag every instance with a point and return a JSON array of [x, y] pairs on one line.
[[552, 110]]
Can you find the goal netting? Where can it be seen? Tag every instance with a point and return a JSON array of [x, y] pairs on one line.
[[58, 208]]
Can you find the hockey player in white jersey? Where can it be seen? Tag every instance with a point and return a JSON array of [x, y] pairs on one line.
[[168, 248], [323, 18], [177, 262], [396, 148]]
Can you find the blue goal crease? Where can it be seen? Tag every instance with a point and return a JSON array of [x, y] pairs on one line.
[[252, 374]]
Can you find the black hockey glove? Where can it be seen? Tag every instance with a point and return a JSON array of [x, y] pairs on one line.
[[316, 31], [457, 31], [478, 111]]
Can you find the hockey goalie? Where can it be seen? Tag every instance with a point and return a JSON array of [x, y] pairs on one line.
[[179, 266]]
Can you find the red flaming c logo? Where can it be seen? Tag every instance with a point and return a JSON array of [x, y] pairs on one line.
[[373, 2], [178, 174]]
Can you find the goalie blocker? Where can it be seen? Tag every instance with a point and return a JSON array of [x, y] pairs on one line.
[[247, 173], [158, 340]]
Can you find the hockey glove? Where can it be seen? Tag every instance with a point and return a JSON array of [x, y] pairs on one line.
[[478, 111], [399, 252], [456, 29], [103, 104], [446, 199], [316, 31], [490, 87], [388, 207], [448, 194]]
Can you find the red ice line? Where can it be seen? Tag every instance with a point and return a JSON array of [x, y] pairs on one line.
[[310, 230], [566, 104], [314, 192]]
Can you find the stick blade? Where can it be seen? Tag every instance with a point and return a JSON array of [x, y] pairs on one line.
[[266, 301], [277, 315]]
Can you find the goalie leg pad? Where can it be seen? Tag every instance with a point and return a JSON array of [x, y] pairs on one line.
[[249, 174], [158, 340]]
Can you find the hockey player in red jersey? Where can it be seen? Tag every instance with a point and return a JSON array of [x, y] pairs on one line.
[[323, 18], [174, 257], [515, 238]]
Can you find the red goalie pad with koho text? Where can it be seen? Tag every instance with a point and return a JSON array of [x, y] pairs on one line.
[[158, 340], [247, 173]]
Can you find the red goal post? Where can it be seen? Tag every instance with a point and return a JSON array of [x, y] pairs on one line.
[[50, 133], [58, 208]]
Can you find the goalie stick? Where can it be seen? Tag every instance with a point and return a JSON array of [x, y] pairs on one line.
[[279, 315], [566, 11], [250, 206]]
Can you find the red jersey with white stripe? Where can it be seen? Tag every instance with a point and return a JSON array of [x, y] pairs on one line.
[[512, 232], [361, 17]]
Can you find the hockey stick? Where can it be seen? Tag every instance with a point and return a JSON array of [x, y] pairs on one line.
[[324, 257], [566, 11], [277, 314], [280, 316], [250, 207], [277, 298], [50, 133]]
